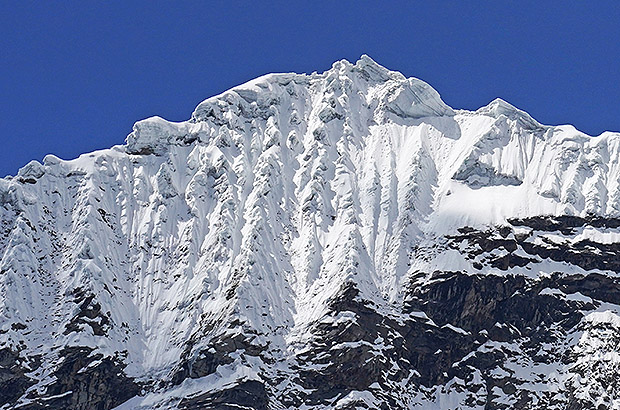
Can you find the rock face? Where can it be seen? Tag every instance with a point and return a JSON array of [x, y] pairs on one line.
[[342, 240]]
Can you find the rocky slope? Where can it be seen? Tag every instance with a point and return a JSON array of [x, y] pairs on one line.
[[339, 240]]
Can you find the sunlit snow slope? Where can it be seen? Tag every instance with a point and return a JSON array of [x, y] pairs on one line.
[[337, 240]]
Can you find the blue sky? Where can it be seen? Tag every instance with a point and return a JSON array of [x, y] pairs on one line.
[[75, 76]]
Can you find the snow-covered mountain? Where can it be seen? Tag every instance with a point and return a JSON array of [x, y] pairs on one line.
[[340, 240]]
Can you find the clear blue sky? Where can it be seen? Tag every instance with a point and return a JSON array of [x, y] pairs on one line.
[[75, 76]]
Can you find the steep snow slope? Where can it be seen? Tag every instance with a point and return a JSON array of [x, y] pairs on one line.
[[334, 240]]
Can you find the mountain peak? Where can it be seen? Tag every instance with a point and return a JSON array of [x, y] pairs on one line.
[[367, 68], [376, 71], [387, 92], [325, 241], [499, 107]]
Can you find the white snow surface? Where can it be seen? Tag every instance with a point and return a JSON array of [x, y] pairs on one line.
[[265, 202]]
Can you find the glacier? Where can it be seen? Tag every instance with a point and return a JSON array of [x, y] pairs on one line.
[[338, 240]]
